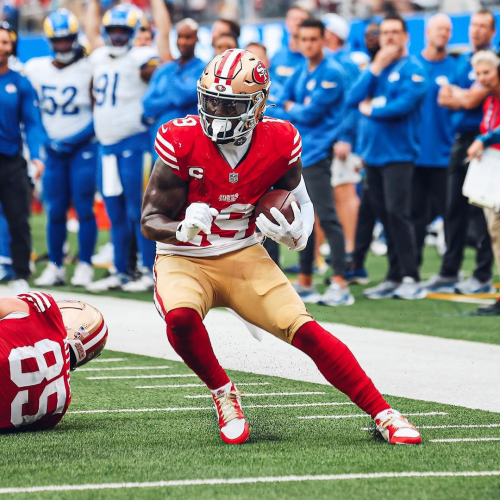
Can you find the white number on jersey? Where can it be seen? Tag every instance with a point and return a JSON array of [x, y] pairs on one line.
[[48, 102], [185, 122], [30, 379]]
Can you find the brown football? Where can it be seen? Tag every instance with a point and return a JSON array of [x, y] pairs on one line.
[[280, 199]]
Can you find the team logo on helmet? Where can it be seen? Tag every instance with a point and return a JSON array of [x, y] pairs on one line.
[[260, 74], [220, 88]]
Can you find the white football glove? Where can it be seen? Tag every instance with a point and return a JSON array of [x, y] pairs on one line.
[[291, 235], [199, 217]]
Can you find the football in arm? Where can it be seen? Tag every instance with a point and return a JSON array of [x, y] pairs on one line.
[[280, 199]]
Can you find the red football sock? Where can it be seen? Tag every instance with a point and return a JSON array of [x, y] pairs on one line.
[[339, 366], [189, 338]]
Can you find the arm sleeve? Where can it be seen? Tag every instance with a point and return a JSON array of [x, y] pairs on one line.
[[35, 133], [490, 138], [328, 92], [286, 93], [183, 89], [306, 206], [362, 88], [349, 126], [169, 150], [154, 100], [410, 95]]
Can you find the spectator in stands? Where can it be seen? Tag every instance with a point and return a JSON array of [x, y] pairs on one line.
[[172, 90], [465, 98], [223, 26], [436, 132], [313, 100], [225, 42], [366, 216], [289, 58], [71, 151], [121, 73], [18, 109], [345, 165], [389, 95], [486, 65]]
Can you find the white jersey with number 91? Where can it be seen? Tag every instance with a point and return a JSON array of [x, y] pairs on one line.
[[64, 95], [118, 89]]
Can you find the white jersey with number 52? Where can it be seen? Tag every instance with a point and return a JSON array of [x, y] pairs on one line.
[[64, 95], [118, 89]]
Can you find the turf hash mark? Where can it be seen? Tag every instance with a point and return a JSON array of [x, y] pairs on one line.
[[463, 440], [312, 417], [175, 386], [117, 368], [268, 394], [247, 480], [118, 377]]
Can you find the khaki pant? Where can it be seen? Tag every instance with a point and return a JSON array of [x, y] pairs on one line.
[[246, 280], [493, 221]]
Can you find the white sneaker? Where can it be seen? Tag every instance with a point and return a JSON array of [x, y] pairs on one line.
[[396, 429], [113, 282], [309, 294], [52, 276], [19, 286], [83, 275], [335, 295], [145, 283], [105, 256], [410, 289]]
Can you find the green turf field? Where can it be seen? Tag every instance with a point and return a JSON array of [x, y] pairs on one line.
[[426, 317], [179, 444]]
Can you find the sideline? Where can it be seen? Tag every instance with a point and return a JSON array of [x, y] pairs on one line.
[[434, 369]]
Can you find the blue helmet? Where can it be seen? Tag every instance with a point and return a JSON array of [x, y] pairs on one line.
[[128, 17], [62, 24]]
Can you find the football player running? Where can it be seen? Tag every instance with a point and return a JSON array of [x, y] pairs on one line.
[[199, 207], [41, 341], [121, 72], [63, 84]]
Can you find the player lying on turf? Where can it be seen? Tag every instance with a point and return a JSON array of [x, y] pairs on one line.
[[41, 340], [199, 207]]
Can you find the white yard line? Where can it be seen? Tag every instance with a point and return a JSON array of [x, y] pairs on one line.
[[117, 368], [312, 417], [175, 386], [107, 360], [140, 410], [478, 426], [246, 480], [268, 394], [463, 440], [400, 364], [173, 375]]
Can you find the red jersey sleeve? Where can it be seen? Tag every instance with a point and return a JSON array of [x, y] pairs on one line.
[[288, 140], [173, 144]]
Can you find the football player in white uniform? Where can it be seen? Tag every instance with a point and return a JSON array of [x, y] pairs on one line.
[[63, 83], [121, 72]]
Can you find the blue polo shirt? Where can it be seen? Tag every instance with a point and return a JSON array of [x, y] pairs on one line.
[[436, 131], [283, 65], [19, 105], [392, 132], [466, 120], [172, 92], [318, 112]]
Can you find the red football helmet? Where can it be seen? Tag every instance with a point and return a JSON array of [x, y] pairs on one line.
[[87, 331]]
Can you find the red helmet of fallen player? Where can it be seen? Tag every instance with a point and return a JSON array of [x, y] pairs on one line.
[[87, 331], [232, 95]]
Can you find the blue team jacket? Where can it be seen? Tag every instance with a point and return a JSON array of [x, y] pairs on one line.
[[172, 92], [19, 104], [436, 131], [392, 132], [466, 120], [283, 65], [318, 112]]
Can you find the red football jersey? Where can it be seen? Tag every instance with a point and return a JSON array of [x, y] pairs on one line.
[[183, 146], [34, 366]]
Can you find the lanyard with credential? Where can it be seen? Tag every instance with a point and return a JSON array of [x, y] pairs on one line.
[[491, 118]]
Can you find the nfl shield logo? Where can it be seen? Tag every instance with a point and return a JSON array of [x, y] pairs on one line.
[[233, 178]]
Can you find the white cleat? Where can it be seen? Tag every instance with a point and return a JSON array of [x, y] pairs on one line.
[[105, 256], [84, 275], [233, 426], [52, 276], [113, 282], [145, 283], [396, 429], [19, 286]]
